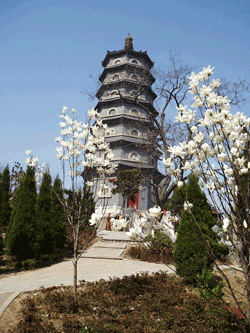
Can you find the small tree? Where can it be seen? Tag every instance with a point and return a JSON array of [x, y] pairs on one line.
[[20, 237], [217, 150], [81, 145], [5, 209], [127, 184]]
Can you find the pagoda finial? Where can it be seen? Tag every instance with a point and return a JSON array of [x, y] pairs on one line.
[[129, 43]]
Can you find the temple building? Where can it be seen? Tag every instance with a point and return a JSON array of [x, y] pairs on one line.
[[125, 103]]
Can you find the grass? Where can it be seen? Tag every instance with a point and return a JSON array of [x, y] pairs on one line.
[[136, 304]]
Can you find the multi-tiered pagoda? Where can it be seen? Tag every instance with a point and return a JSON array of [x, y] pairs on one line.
[[125, 102]]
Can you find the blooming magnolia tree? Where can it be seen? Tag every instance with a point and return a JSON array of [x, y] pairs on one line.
[[217, 151], [155, 219], [81, 148]]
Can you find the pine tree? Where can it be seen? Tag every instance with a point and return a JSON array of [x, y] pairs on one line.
[[1, 245], [196, 243], [5, 209], [127, 183], [57, 216], [20, 237], [44, 243], [88, 207], [1, 226], [175, 204]]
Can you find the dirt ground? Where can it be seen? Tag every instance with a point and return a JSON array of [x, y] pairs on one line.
[[12, 315]]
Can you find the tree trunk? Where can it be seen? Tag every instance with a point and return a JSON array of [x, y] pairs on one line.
[[75, 279], [247, 279]]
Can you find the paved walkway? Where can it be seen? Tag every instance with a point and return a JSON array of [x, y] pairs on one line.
[[102, 261]]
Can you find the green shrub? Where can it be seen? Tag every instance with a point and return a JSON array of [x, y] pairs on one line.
[[20, 240], [159, 241], [195, 239], [209, 285], [1, 245], [28, 264]]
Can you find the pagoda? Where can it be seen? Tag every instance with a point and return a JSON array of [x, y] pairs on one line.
[[125, 104]]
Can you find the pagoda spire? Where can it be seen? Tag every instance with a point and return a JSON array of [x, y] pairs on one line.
[[129, 43]]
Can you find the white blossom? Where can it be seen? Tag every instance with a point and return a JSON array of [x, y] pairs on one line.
[[226, 223], [155, 211], [187, 206]]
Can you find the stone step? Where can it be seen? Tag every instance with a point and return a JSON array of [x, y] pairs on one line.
[[103, 253], [113, 245], [114, 236]]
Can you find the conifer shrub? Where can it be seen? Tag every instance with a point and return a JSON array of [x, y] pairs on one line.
[[44, 242], [57, 217], [20, 236], [1, 245], [5, 194], [196, 246]]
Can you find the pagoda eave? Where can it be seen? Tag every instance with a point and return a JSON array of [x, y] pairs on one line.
[[123, 52]]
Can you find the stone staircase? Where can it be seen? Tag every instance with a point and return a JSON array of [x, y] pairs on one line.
[[111, 246]]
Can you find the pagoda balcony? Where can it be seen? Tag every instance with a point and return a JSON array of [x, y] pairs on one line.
[[127, 138]]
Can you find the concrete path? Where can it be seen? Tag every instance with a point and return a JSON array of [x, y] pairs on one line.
[[89, 269]]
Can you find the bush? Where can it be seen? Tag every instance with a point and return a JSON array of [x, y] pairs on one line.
[[159, 242], [156, 303], [29, 264], [195, 237], [1, 245], [21, 234], [156, 249], [141, 252], [209, 285]]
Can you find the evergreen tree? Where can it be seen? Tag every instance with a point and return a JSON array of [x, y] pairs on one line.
[[88, 207], [196, 243], [175, 204], [127, 183], [0, 198], [20, 237], [1, 245], [44, 243], [5, 209], [57, 216]]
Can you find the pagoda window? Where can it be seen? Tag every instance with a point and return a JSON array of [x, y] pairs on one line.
[[112, 112], [135, 113], [134, 133], [134, 157], [118, 61], [135, 62], [115, 77]]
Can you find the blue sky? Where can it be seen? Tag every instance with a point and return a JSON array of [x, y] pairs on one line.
[[50, 48]]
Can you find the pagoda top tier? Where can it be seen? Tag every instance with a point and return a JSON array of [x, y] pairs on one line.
[[128, 48]]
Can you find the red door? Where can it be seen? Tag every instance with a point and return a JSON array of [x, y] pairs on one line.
[[133, 203]]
